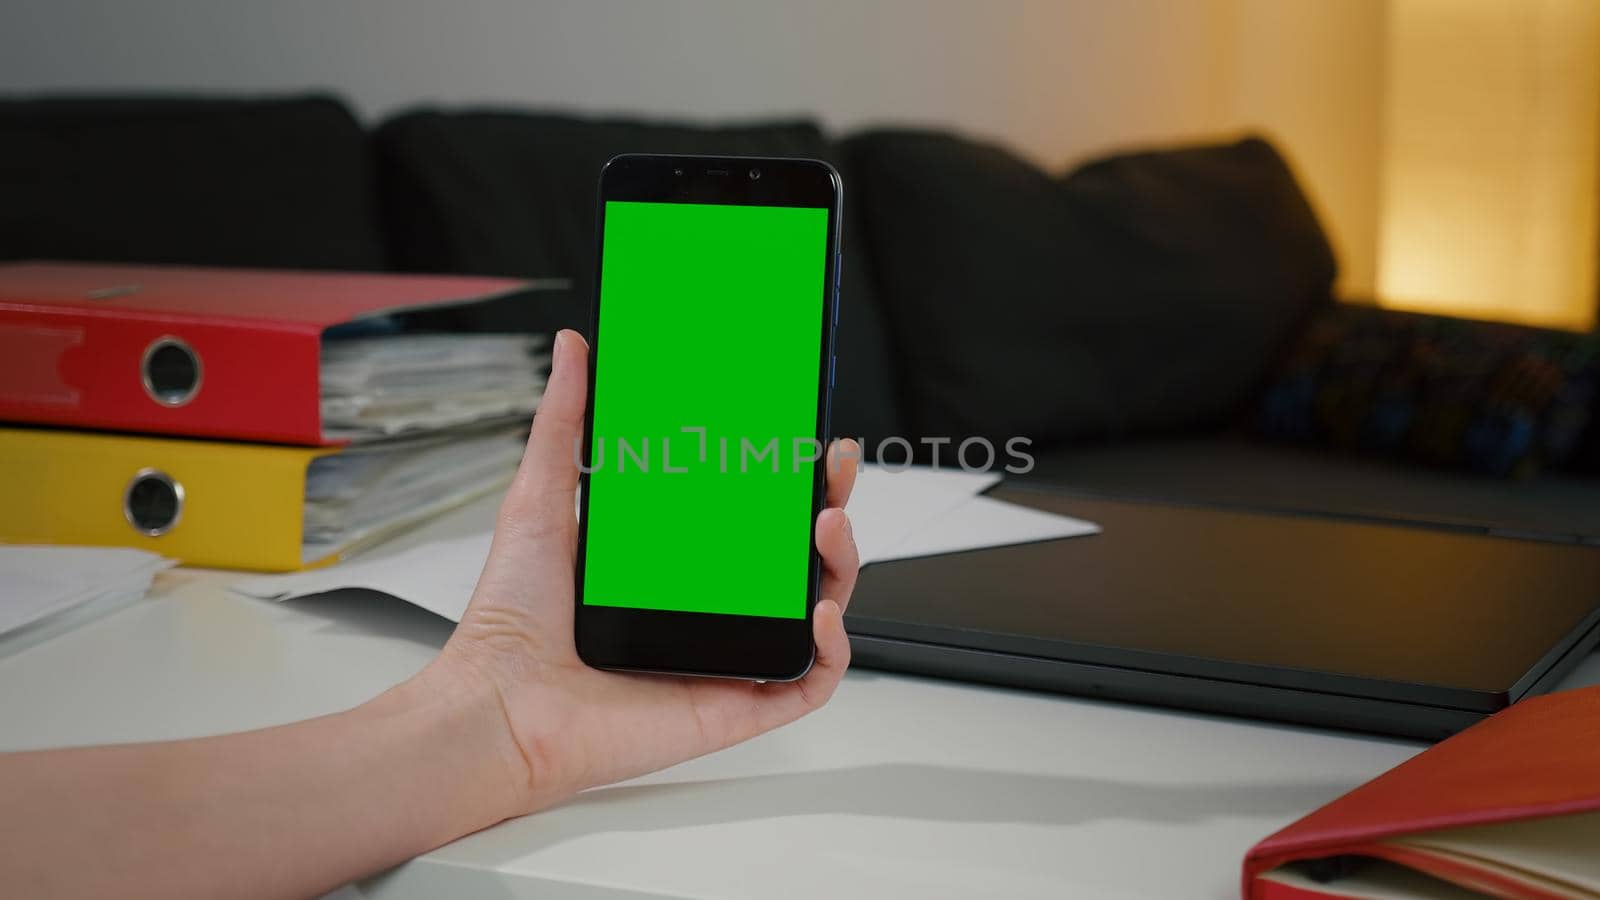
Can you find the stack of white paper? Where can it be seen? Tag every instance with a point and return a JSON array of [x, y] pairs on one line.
[[47, 590], [370, 490], [373, 387], [894, 515]]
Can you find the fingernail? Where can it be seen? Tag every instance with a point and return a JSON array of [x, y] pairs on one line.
[[555, 352]]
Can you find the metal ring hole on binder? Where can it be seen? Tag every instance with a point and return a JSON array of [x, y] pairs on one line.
[[153, 502], [170, 371]]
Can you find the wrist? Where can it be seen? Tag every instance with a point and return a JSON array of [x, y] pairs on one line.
[[456, 725]]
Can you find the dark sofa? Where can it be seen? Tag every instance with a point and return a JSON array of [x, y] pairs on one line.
[[1158, 323]]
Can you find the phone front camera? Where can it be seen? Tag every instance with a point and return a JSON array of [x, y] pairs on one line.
[[755, 174], [677, 171]]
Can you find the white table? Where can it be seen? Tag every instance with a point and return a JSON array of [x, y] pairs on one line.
[[901, 787]]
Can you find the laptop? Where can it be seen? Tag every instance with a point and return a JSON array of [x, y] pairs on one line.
[[1388, 627]]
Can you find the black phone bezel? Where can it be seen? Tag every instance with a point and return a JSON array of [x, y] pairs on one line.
[[730, 646]]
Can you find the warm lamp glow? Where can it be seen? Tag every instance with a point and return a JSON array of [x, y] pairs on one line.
[[1490, 202]]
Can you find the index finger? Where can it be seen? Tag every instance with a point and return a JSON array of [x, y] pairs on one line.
[[844, 456]]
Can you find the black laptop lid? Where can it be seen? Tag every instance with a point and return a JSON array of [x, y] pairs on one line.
[[1362, 609]]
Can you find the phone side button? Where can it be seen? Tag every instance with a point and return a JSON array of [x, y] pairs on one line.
[[833, 367]]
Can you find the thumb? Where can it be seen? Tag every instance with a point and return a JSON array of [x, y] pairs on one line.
[[538, 512]]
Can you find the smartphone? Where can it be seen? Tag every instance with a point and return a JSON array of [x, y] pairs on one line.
[[702, 466]]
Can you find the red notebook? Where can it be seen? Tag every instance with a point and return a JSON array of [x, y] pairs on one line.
[[1507, 808], [222, 353]]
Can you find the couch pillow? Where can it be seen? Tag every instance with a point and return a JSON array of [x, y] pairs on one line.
[[1143, 292], [271, 183], [1493, 398], [511, 193]]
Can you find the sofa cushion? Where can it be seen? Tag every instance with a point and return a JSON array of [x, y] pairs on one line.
[[1144, 292], [509, 193], [1494, 398], [270, 183]]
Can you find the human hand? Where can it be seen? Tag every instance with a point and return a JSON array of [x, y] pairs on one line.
[[568, 726], [504, 721]]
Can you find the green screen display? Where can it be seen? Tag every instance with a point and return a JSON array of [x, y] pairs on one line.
[[705, 408]]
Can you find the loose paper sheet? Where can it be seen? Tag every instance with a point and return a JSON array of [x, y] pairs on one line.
[[888, 504], [979, 522], [894, 514], [438, 576], [37, 581]]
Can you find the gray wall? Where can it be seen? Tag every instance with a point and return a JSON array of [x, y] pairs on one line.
[[1056, 79], [1049, 76]]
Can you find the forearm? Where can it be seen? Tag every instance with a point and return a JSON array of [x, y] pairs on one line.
[[282, 812]]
